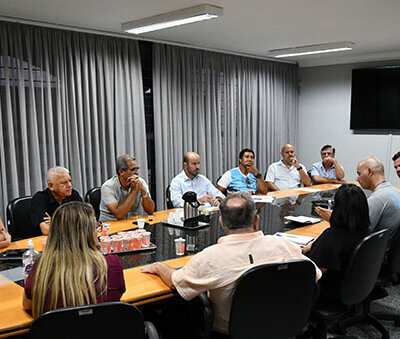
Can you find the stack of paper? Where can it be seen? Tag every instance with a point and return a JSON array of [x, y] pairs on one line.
[[307, 189], [303, 219], [301, 240]]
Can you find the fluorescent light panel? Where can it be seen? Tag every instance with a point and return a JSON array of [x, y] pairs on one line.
[[171, 19], [312, 49]]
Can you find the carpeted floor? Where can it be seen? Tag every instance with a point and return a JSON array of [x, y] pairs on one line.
[[390, 304]]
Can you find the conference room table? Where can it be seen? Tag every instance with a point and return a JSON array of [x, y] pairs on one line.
[[142, 288]]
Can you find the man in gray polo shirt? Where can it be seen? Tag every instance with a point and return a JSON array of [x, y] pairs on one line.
[[125, 194], [383, 203]]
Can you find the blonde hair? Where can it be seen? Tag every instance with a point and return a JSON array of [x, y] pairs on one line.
[[71, 263]]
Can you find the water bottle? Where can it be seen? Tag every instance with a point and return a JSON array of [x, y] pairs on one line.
[[28, 259]]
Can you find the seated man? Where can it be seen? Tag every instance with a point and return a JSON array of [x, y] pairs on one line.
[[287, 173], [245, 178], [44, 203], [383, 203], [396, 163], [5, 237], [218, 267], [190, 180], [328, 170], [125, 194]]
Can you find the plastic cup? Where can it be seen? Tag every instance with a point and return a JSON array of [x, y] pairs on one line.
[[177, 216], [105, 229], [43, 241], [180, 246], [137, 241], [191, 243], [128, 242], [171, 218], [117, 243], [141, 222], [105, 244], [146, 239]]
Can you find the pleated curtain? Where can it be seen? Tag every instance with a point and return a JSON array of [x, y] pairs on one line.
[[66, 98], [216, 104]]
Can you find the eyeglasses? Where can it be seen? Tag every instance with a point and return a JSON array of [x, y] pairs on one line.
[[134, 169]]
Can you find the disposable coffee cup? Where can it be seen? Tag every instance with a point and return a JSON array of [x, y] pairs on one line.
[[180, 246], [141, 222]]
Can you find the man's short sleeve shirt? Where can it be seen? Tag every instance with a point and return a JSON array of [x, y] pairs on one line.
[[112, 192], [284, 178]]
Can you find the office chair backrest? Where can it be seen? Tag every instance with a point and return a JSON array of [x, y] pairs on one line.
[[273, 300], [363, 268], [393, 258], [168, 197], [19, 222], [93, 197], [106, 320]]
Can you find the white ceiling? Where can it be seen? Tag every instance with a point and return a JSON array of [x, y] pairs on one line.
[[251, 27]]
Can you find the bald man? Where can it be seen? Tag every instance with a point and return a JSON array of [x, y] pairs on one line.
[[287, 173], [190, 180], [383, 203]]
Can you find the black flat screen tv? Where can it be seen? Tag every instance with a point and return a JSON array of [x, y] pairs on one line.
[[375, 98]]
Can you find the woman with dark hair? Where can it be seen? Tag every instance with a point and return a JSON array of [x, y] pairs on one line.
[[72, 271], [349, 225]]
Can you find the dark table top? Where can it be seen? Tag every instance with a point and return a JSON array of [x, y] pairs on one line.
[[271, 221]]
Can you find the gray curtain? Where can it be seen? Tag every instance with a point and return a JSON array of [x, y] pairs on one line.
[[217, 104], [69, 99]]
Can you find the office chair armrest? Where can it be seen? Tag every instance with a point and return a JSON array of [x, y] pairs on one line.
[[151, 330]]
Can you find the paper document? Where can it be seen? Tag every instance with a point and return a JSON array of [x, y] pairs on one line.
[[307, 189], [208, 209], [303, 219], [263, 198], [301, 240]]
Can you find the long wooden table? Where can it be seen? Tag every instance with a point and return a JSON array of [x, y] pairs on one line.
[[141, 288]]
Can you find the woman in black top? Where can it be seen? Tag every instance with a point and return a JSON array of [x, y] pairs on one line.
[[331, 251]]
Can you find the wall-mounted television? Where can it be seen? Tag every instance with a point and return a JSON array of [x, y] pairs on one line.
[[375, 98]]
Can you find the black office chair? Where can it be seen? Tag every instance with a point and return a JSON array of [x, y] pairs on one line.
[[273, 300], [392, 272], [106, 320], [93, 197], [168, 198], [357, 283], [19, 219]]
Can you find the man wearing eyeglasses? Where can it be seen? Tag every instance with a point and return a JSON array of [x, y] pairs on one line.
[[328, 170], [125, 194], [245, 177]]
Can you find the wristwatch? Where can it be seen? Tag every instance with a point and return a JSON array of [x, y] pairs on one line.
[[258, 176], [299, 169]]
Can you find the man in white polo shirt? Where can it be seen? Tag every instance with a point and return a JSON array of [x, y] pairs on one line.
[[287, 173]]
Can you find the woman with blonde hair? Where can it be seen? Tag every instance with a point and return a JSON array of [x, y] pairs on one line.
[[72, 271]]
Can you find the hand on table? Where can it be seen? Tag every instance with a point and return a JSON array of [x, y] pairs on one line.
[[206, 198]]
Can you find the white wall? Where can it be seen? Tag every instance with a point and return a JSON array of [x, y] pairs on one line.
[[324, 118]]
